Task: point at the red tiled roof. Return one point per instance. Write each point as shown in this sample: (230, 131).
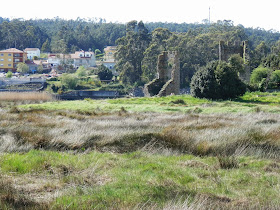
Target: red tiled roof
(77, 55)
(12, 50)
(31, 49)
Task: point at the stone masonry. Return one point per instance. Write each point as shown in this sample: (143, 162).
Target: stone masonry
(168, 81)
(227, 50)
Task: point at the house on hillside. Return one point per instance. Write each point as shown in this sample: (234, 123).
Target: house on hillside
(109, 52)
(110, 64)
(46, 66)
(40, 66)
(32, 52)
(109, 59)
(54, 60)
(83, 58)
(9, 59)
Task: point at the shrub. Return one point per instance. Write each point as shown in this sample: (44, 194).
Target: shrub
(204, 83)
(258, 75)
(104, 73)
(275, 79)
(81, 71)
(264, 78)
(229, 84)
(9, 74)
(218, 80)
(69, 80)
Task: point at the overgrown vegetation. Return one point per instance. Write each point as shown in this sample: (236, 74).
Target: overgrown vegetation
(218, 80)
(104, 154)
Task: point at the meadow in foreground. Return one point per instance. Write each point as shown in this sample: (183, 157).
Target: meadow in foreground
(121, 159)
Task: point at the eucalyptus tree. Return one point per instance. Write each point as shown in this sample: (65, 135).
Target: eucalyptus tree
(130, 52)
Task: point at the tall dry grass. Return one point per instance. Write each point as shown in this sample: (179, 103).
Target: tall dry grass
(25, 96)
(254, 134)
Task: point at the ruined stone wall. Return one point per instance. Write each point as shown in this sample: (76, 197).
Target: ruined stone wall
(227, 50)
(168, 81)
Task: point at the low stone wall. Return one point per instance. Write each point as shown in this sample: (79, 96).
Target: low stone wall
(79, 95)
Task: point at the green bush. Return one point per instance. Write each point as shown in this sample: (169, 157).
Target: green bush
(9, 74)
(204, 83)
(104, 73)
(275, 79)
(218, 80)
(69, 80)
(258, 75)
(264, 78)
(229, 84)
(81, 71)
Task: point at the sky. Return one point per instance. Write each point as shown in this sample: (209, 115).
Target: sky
(249, 13)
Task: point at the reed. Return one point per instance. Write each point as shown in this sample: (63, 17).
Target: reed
(25, 96)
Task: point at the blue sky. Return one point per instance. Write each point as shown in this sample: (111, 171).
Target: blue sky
(263, 14)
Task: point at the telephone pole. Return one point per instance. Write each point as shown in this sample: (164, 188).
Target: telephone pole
(209, 17)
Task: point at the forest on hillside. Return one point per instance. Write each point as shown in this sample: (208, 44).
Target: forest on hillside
(139, 44)
(60, 35)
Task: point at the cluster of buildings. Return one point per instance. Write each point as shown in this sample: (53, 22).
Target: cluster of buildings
(10, 58)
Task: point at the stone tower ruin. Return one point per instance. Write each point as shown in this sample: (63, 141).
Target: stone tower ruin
(226, 50)
(168, 81)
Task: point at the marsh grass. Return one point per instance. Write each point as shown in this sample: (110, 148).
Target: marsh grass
(123, 131)
(104, 155)
(249, 103)
(145, 181)
(25, 96)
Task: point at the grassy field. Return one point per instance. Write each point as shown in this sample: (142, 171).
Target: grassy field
(250, 102)
(174, 152)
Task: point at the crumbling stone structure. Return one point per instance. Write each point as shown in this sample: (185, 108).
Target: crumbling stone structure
(227, 50)
(168, 81)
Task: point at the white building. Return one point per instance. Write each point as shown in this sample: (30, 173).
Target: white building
(31, 52)
(83, 58)
(110, 64)
(54, 60)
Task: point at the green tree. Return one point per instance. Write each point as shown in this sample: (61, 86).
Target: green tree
(236, 63)
(258, 75)
(46, 47)
(275, 79)
(204, 83)
(104, 73)
(156, 46)
(264, 78)
(218, 80)
(272, 61)
(229, 83)
(81, 71)
(260, 52)
(69, 80)
(9, 74)
(98, 54)
(130, 52)
(22, 68)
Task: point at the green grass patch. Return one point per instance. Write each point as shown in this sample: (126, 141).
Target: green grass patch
(250, 102)
(127, 180)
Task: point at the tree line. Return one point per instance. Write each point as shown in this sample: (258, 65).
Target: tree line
(139, 44)
(138, 50)
(60, 35)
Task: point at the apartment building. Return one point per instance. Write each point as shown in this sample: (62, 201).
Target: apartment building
(10, 58)
(32, 52)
